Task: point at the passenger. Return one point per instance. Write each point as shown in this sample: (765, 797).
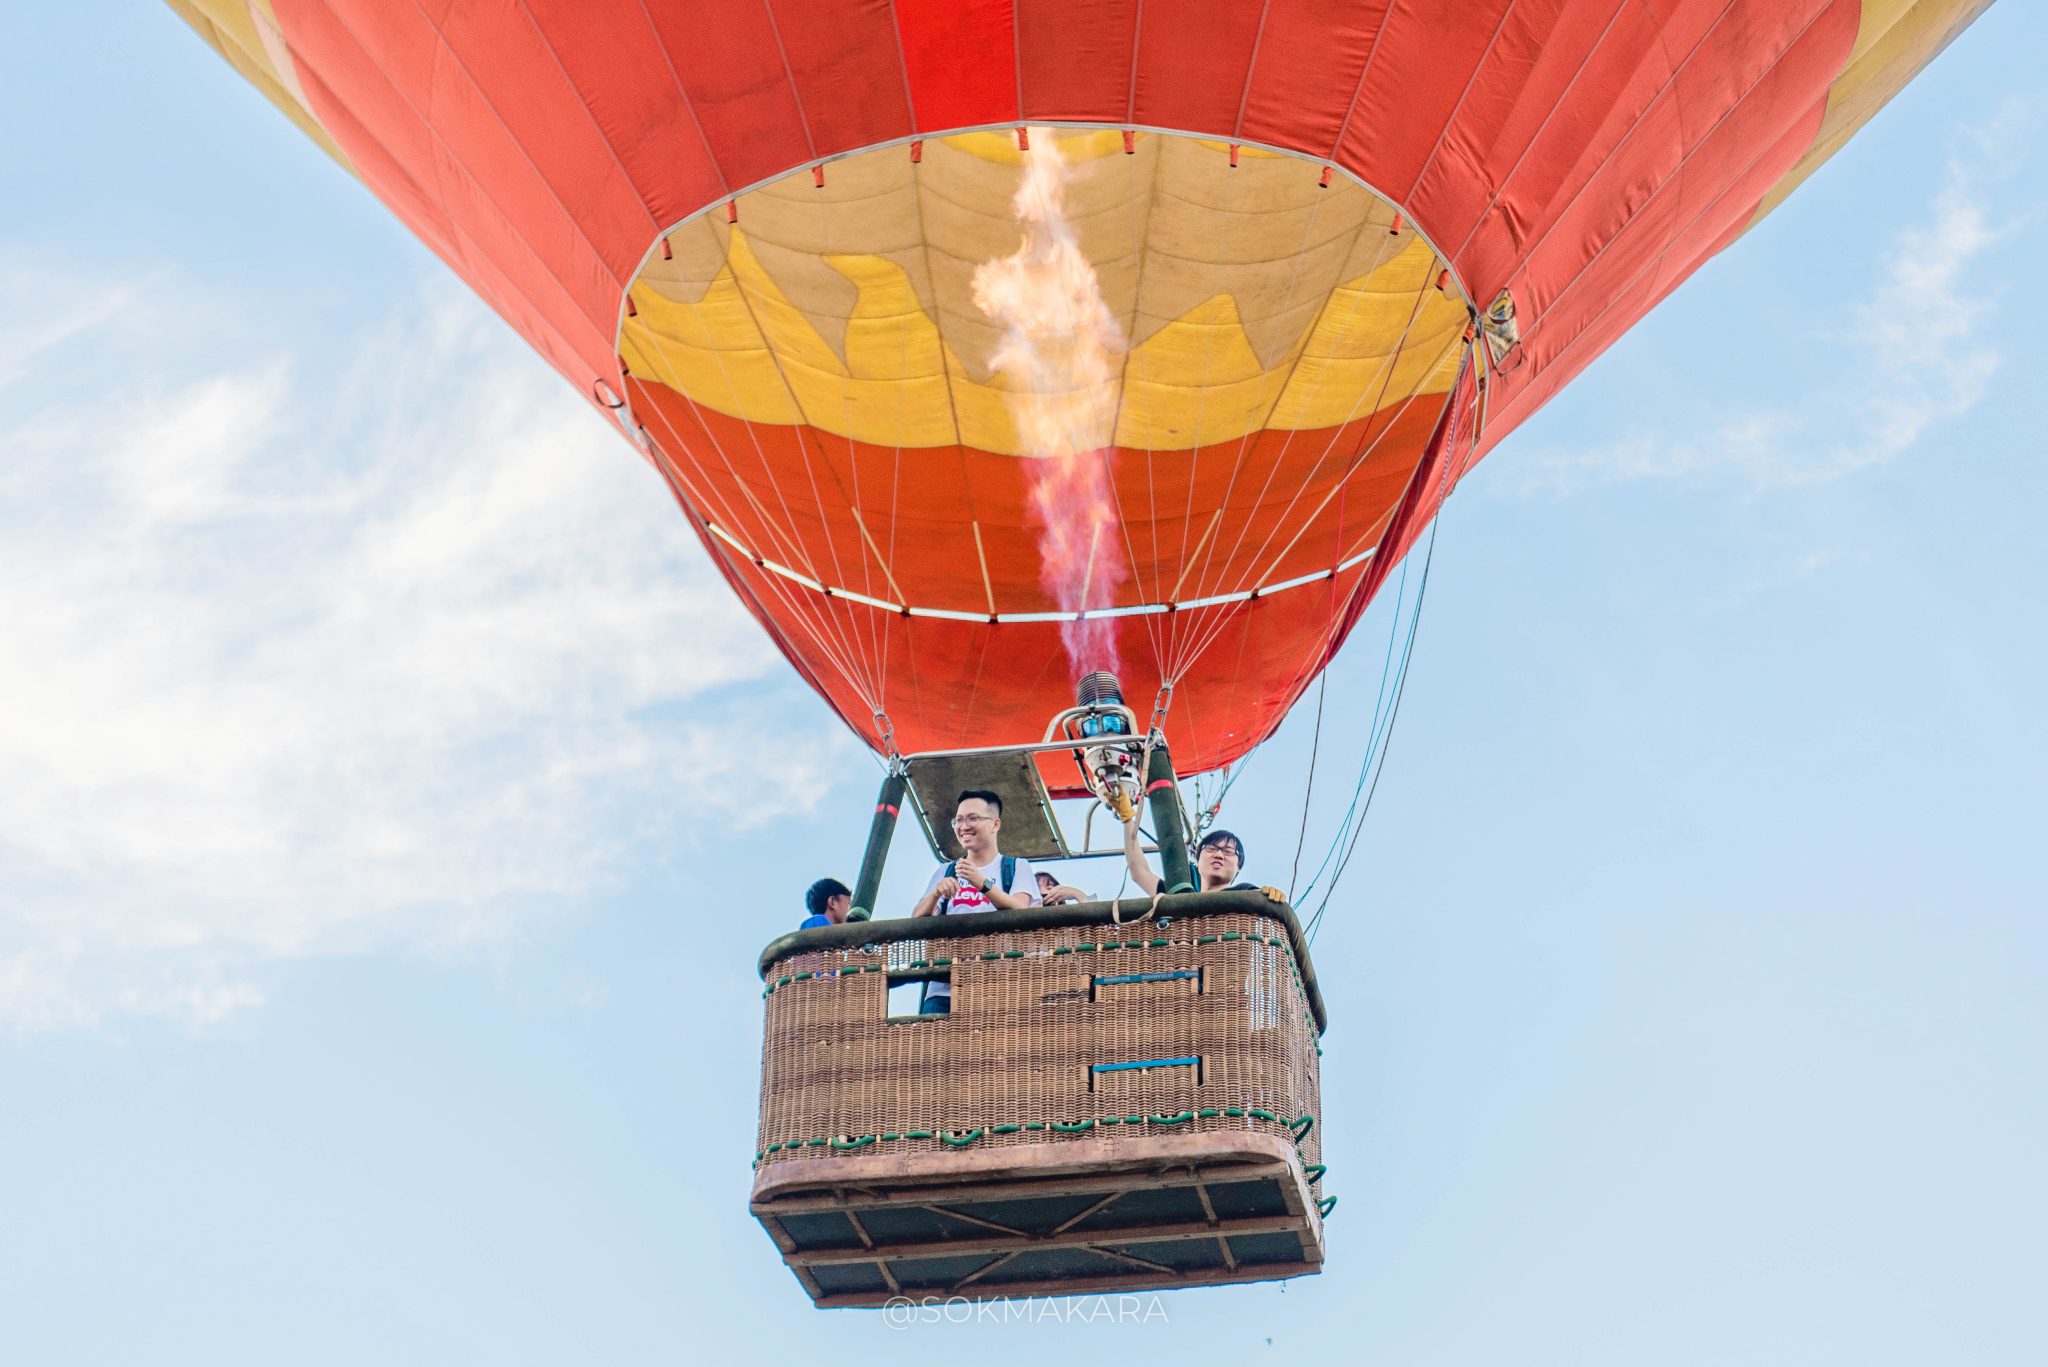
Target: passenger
(1052, 892)
(1218, 858)
(828, 900)
(986, 880)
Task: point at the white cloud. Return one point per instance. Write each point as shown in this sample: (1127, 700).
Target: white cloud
(1919, 353)
(314, 655)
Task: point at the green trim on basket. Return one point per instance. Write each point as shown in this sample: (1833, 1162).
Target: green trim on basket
(960, 1139)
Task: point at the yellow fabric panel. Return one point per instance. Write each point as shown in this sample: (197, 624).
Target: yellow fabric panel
(245, 33)
(1894, 40)
(1195, 383)
(709, 351)
(1250, 296)
(893, 379)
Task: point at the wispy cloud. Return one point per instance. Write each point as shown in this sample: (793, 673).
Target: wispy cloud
(318, 654)
(1920, 352)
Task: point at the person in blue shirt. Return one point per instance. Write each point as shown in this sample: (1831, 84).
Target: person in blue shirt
(827, 900)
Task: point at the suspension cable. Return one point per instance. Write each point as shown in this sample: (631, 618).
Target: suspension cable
(1385, 738)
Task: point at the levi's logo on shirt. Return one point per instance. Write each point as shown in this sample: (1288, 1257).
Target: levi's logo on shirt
(973, 898)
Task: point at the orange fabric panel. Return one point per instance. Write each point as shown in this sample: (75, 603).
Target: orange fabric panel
(902, 525)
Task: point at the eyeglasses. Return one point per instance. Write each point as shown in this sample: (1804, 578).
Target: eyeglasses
(1221, 848)
(968, 820)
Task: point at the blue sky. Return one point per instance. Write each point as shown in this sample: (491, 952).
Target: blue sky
(393, 806)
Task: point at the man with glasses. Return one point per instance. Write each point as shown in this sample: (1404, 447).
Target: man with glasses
(1218, 859)
(985, 880)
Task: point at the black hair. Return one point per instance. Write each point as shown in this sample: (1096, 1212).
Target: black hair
(1218, 836)
(823, 891)
(994, 800)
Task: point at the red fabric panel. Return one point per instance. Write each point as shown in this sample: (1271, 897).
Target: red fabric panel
(1193, 60)
(538, 138)
(622, 74)
(725, 53)
(1735, 57)
(961, 56)
(1578, 108)
(848, 70)
(1419, 74)
(1077, 68)
(1311, 57)
(1552, 58)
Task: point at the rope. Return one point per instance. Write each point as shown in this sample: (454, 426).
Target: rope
(1372, 729)
(1116, 909)
(1400, 689)
(1315, 747)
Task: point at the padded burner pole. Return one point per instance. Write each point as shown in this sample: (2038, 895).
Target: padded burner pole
(1162, 790)
(880, 832)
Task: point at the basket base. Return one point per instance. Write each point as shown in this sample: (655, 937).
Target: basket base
(1079, 1217)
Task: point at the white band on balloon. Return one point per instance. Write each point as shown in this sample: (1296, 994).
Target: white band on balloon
(952, 615)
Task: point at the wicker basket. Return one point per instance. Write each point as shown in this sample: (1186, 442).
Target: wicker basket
(1107, 1107)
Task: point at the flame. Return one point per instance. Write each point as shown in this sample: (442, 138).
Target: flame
(1061, 352)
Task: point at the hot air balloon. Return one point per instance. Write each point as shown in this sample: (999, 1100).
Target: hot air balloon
(988, 346)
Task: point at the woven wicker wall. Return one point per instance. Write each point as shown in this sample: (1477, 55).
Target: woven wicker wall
(838, 1075)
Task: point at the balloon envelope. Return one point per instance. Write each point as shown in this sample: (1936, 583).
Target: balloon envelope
(751, 228)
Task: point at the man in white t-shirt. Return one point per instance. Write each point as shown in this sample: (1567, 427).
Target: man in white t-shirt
(977, 882)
